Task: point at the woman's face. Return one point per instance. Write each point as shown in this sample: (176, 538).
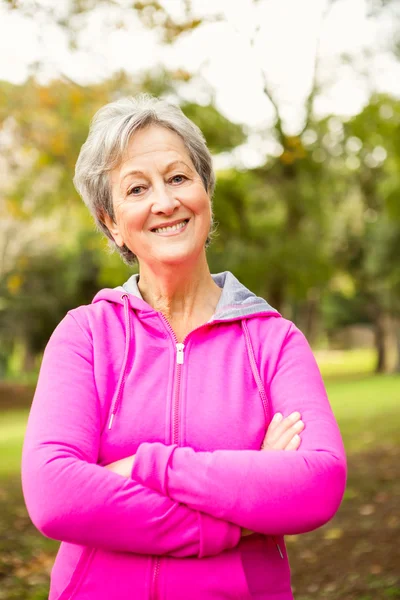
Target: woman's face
(156, 184)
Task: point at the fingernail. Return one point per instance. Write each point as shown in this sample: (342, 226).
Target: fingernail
(277, 417)
(294, 416)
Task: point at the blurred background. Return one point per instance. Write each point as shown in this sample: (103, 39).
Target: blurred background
(300, 106)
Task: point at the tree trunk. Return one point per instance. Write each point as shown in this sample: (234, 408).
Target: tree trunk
(29, 360)
(310, 314)
(386, 343)
(276, 294)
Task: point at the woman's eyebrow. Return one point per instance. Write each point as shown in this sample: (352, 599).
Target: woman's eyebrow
(131, 172)
(176, 163)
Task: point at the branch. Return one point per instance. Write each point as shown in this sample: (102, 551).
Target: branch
(314, 86)
(70, 81)
(266, 88)
(317, 57)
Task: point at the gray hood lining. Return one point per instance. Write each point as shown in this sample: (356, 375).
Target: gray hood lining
(235, 301)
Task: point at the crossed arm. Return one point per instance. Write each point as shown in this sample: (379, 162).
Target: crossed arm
(124, 507)
(282, 434)
(273, 493)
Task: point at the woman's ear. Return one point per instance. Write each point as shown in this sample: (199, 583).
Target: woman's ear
(113, 229)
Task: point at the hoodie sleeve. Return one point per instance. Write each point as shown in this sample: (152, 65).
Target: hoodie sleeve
(270, 492)
(71, 498)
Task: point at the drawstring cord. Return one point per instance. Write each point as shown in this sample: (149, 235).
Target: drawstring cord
(261, 390)
(256, 374)
(122, 377)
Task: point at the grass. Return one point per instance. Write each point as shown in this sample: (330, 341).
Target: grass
(366, 406)
(336, 364)
(12, 430)
(367, 410)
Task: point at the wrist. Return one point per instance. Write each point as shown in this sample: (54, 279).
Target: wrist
(122, 467)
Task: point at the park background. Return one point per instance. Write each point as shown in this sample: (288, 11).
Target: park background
(300, 106)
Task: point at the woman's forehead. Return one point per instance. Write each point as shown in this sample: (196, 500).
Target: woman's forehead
(154, 146)
(154, 139)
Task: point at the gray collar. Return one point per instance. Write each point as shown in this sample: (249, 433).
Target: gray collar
(235, 301)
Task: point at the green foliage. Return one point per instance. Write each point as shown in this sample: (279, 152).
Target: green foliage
(375, 243)
(41, 288)
(221, 134)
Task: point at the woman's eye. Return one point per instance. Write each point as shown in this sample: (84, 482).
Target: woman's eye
(180, 178)
(134, 191)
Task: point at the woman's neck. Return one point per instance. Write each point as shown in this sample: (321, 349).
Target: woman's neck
(180, 292)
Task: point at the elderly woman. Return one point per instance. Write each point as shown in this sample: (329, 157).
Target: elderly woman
(163, 445)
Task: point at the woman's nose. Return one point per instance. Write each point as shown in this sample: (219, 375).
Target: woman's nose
(164, 199)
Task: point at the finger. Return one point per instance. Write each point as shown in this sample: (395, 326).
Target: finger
(286, 436)
(274, 434)
(277, 418)
(276, 421)
(294, 443)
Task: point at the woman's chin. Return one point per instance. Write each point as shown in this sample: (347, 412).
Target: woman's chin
(165, 255)
(176, 257)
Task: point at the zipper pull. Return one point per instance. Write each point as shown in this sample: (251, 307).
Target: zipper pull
(279, 550)
(278, 546)
(179, 355)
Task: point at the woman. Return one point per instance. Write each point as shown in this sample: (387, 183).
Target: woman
(150, 450)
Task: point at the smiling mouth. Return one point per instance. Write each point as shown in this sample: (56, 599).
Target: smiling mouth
(171, 230)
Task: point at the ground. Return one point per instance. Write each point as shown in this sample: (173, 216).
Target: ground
(356, 555)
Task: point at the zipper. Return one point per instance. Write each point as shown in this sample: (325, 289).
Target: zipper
(179, 361)
(175, 428)
(156, 572)
(175, 422)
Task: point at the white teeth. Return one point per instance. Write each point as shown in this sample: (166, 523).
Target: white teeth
(171, 228)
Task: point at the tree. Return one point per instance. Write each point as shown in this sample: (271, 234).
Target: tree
(370, 220)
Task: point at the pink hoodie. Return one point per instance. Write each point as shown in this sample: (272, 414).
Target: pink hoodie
(115, 382)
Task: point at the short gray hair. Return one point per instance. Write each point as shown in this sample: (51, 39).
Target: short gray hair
(109, 135)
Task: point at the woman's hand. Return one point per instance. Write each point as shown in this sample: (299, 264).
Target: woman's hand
(282, 434)
(122, 467)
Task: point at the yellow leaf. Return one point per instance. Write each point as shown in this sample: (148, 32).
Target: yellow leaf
(293, 141)
(287, 157)
(14, 283)
(334, 533)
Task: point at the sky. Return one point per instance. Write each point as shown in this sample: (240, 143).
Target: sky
(284, 49)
